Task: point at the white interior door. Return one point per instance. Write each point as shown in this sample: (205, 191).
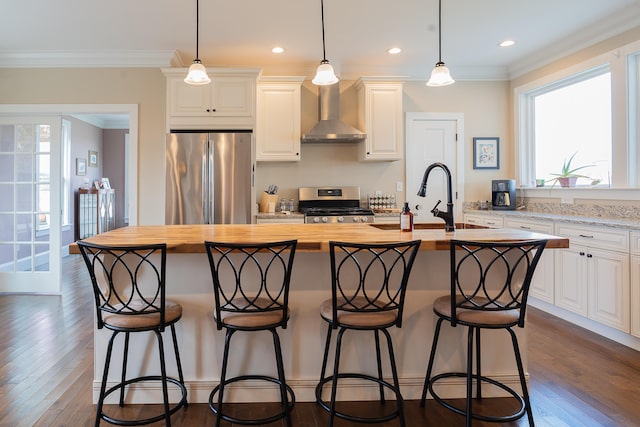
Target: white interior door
(30, 204)
(430, 138)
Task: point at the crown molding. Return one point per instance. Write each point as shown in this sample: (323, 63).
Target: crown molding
(90, 59)
(604, 29)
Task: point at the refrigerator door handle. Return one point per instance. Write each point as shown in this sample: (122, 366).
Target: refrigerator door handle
(206, 190)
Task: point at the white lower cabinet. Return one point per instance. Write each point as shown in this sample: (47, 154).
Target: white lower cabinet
(542, 285)
(484, 220)
(593, 275)
(635, 283)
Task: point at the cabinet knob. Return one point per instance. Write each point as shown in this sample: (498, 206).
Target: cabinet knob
(211, 110)
(582, 254)
(589, 256)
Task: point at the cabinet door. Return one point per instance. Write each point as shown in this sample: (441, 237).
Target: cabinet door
(609, 288)
(381, 118)
(635, 295)
(542, 284)
(571, 288)
(278, 122)
(232, 96)
(188, 100)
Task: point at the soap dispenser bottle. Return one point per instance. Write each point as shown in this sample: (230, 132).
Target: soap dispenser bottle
(406, 218)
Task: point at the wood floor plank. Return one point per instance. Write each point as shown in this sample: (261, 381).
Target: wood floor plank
(46, 369)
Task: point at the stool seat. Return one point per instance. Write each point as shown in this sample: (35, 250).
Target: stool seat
(358, 319)
(496, 318)
(173, 313)
(243, 317)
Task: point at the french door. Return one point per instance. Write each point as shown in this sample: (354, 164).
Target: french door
(30, 204)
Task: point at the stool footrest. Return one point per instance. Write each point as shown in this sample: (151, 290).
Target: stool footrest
(494, 419)
(354, 418)
(182, 403)
(280, 415)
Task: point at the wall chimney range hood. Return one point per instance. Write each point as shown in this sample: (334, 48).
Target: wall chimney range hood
(330, 128)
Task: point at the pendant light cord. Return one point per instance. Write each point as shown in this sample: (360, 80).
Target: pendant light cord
(439, 31)
(197, 26)
(324, 54)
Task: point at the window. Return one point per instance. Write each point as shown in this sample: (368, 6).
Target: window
(570, 119)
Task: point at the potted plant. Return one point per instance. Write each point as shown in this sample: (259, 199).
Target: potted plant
(568, 176)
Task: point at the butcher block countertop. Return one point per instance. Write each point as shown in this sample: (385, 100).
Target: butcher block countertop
(311, 237)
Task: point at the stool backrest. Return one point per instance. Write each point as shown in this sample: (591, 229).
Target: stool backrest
(251, 277)
(127, 280)
(371, 277)
(492, 276)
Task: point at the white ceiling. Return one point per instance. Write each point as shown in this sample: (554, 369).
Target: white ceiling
(241, 33)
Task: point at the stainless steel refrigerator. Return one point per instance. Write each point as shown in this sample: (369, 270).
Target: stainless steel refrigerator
(209, 178)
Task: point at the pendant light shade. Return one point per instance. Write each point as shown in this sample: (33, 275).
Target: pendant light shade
(325, 75)
(197, 73)
(440, 76)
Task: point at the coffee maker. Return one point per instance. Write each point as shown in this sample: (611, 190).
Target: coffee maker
(503, 194)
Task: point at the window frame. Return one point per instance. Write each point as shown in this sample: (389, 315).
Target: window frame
(624, 65)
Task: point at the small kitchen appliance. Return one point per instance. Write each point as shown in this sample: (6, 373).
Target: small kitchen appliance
(339, 205)
(503, 194)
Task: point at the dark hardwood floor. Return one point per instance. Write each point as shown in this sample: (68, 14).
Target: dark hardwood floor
(46, 369)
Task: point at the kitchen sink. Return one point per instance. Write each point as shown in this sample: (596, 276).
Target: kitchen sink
(429, 226)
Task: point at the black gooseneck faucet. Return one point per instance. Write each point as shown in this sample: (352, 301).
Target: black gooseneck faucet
(448, 215)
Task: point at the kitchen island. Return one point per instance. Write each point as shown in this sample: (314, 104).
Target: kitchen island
(189, 283)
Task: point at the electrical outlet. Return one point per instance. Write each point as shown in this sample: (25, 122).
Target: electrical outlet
(399, 186)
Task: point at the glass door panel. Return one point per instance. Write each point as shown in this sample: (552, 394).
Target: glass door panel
(30, 194)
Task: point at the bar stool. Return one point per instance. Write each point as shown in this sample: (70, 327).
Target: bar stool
(251, 290)
(489, 289)
(369, 282)
(129, 293)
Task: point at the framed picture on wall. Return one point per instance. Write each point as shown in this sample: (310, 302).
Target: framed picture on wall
(81, 167)
(486, 153)
(93, 159)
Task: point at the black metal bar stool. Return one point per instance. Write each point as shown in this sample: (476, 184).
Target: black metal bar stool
(369, 282)
(489, 288)
(129, 291)
(251, 290)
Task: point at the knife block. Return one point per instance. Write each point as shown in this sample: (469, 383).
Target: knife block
(267, 203)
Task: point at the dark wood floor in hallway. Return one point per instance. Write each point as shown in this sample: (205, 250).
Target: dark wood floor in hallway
(46, 369)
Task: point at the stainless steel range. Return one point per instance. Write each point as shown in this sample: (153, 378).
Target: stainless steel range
(332, 205)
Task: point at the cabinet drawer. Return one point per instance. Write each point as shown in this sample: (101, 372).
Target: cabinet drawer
(600, 237)
(530, 225)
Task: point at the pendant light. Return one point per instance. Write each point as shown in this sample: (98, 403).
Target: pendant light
(197, 73)
(324, 74)
(440, 75)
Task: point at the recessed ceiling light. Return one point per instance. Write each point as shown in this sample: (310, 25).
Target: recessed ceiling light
(507, 43)
(277, 49)
(394, 50)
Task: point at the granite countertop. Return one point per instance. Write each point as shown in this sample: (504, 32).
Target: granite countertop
(632, 223)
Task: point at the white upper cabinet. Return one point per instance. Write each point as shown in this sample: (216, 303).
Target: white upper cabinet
(380, 117)
(228, 102)
(278, 119)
